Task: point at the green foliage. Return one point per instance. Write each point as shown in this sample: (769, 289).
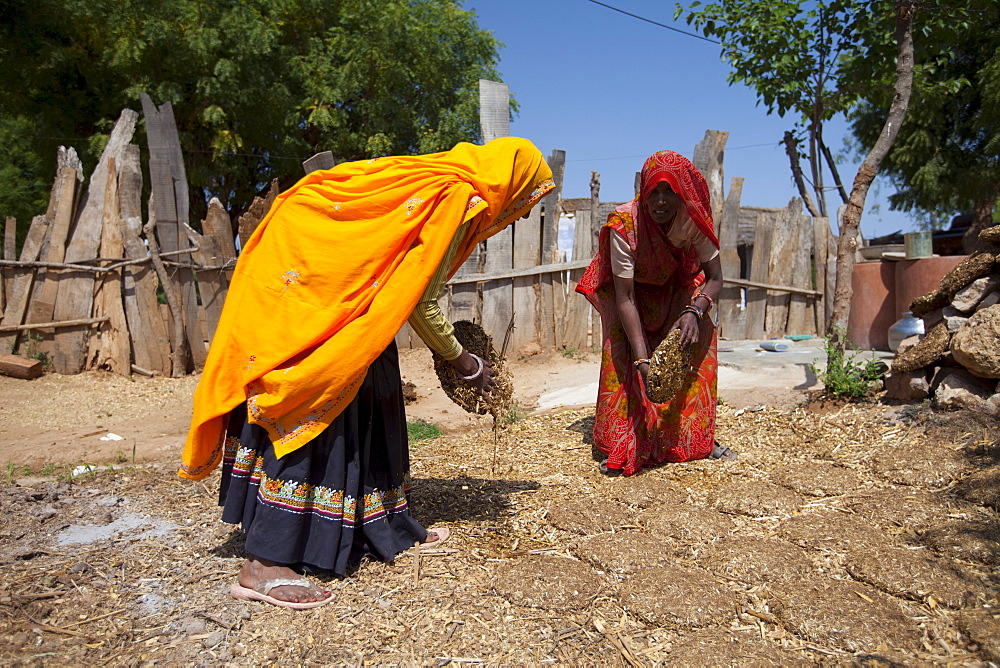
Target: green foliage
(514, 413)
(256, 85)
(845, 376)
(421, 430)
(569, 352)
(31, 349)
(947, 154)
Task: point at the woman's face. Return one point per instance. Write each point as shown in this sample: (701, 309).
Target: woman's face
(663, 203)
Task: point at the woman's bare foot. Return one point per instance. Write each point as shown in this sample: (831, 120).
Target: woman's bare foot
(256, 570)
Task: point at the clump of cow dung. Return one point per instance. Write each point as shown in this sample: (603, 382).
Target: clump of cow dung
(668, 368)
(475, 340)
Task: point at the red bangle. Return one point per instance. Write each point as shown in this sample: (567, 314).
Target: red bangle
(711, 302)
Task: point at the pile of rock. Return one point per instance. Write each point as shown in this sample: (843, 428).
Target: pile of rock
(957, 361)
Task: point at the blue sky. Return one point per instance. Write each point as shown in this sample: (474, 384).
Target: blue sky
(610, 89)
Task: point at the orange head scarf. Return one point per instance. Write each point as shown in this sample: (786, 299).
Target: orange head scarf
(331, 274)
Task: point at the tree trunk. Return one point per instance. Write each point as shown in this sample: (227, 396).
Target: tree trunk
(869, 168)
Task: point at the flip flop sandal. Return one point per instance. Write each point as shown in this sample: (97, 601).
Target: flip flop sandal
(609, 471)
(442, 534)
(261, 591)
(723, 453)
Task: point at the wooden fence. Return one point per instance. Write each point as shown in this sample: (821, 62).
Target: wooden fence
(87, 287)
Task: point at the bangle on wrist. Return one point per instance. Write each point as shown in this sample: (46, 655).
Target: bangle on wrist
(694, 310)
(711, 302)
(479, 370)
(640, 361)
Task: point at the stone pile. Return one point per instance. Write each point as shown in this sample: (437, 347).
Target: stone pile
(957, 361)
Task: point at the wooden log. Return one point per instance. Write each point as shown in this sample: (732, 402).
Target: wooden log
(781, 264)
(552, 295)
(732, 314)
(62, 206)
(527, 253)
(708, 158)
(109, 345)
(498, 295)
(17, 305)
(16, 366)
(74, 298)
(801, 308)
(759, 262)
(52, 325)
(322, 160)
(3, 271)
(170, 203)
(465, 298)
(249, 221)
(212, 284)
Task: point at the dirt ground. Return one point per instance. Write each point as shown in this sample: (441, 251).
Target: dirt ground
(843, 535)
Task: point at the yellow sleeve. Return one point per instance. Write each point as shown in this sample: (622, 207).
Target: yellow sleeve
(427, 320)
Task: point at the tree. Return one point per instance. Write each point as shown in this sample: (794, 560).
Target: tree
(946, 158)
(256, 85)
(791, 53)
(783, 52)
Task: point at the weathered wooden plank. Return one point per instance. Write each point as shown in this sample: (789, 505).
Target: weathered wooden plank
(801, 309)
(62, 206)
(732, 315)
(170, 199)
(708, 158)
(149, 338)
(552, 294)
(7, 244)
(821, 245)
(578, 309)
(498, 295)
(465, 299)
(781, 263)
(494, 109)
(16, 366)
(527, 253)
(322, 160)
(17, 305)
(212, 283)
(109, 346)
(759, 262)
(249, 221)
(76, 289)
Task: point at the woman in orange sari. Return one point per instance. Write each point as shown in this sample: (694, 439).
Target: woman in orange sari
(301, 397)
(657, 269)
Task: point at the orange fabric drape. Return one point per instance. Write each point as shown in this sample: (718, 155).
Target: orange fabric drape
(331, 274)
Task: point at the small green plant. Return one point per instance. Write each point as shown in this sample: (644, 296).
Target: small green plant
(514, 413)
(846, 377)
(32, 350)
(10, 473)
(570, 352)
(421, 430)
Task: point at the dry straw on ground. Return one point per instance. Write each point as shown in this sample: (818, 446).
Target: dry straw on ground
(668, 368)
(476, 341)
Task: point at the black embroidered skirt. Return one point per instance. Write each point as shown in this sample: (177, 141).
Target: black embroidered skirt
(341, 496)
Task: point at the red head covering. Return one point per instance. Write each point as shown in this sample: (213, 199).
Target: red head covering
(685, 180)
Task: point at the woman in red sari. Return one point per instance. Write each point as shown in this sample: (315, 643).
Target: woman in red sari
(657, 269)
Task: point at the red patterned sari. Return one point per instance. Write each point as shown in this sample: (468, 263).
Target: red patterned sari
(631, 431)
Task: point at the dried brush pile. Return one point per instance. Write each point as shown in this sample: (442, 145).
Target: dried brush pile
(668, 367)
(475, 340)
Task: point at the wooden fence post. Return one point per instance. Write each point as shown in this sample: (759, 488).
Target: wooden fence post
(781, 263)
(21, 283)
(74, 298)
(732, 315)
(552, 285)
(708, 158)
(759, 263)
(109, 346)
(170, 203)
(9, 253)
